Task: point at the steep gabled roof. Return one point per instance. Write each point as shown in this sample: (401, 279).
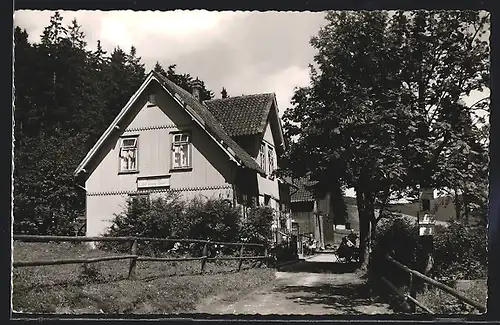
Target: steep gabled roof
(242, 115)
(198, 112)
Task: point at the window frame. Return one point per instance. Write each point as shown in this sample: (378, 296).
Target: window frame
(263, 156)
(271, 160)
(174, 144)
(122, 147)
(140, 195)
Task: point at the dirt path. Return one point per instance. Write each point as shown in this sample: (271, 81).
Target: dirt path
(314, 287)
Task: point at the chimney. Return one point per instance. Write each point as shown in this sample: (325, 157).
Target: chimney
(196, 85)
(224, 93)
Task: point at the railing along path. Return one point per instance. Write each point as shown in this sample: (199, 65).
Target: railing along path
(460, 296)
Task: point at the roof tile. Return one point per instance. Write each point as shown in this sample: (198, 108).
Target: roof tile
(211, 122)
(242, 115)
(304, 193)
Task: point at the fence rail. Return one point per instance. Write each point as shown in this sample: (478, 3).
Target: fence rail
(45, 239)
(460, 296)
(133, 256)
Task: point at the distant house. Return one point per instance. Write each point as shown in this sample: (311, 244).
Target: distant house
(443, 209)
(312, 212)
(166, 140)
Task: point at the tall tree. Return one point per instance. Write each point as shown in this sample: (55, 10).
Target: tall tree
(58, 107)
(444, 56)
(65, 97)
(122, 77)
(183, 80)
(381, 91)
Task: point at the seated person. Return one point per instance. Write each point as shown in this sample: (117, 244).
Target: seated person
(347, 249)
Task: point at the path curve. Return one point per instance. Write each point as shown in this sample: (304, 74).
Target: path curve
(315, 286)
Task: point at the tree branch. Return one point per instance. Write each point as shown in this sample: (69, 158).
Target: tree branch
(476, 31)
(482, 99)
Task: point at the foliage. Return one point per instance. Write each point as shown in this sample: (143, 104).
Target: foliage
(386, 91)
(213, 219)
(65, 97)
(443, 303)
(257, 226)
(170, 216)
(398, 237)
(46, 200)
(460, 252)
(143, 217)
(89, 273)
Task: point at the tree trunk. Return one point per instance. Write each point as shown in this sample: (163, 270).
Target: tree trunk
(458, 206)
(370, 215)
(364, 228)
(466, 205)
(337, 204)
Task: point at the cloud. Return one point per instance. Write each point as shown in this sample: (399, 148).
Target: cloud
(245, 52)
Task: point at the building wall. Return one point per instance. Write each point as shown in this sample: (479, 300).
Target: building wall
(212, 172)
(268, 186)
(320, 224)
(302, 213)
(327, 225)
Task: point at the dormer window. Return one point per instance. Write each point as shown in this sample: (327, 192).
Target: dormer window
(128, 154)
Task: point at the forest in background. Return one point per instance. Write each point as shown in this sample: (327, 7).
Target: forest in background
(65, 97)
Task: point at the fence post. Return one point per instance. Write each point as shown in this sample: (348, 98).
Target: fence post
(266, 256)
(204, 258)
(413, 294)
(241, 255)
(133, 261)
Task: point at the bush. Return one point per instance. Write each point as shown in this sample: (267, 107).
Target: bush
(146, 218)
(169, 216)
(398, 237)
(213, 219)
(257, 227)
(460, 252)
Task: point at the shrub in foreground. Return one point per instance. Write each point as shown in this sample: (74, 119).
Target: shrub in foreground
(170, 216)
(213, 219)
(256, 228)
(460, 252)
(143, 217)
(398, 237)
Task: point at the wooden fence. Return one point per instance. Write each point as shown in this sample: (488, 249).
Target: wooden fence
(460, 296)
(133, 257)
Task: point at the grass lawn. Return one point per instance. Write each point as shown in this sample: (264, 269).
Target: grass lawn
(441, 302)
(159, 287)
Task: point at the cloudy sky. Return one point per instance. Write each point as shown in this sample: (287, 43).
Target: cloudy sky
(245, 52)
(241, 51)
